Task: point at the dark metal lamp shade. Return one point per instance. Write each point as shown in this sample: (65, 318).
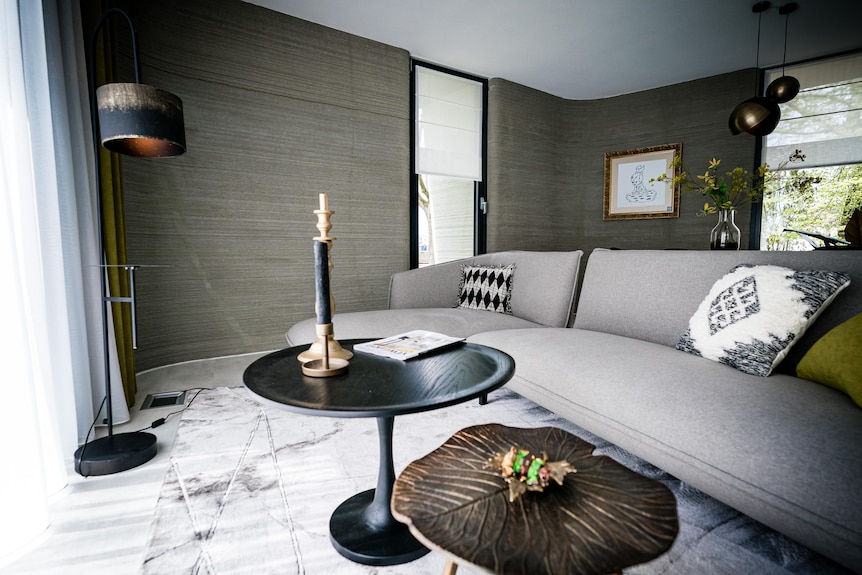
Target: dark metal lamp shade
(757, 116)
(783, 89)
(140, 120)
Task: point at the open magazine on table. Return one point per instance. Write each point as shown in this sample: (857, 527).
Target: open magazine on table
(406, 345)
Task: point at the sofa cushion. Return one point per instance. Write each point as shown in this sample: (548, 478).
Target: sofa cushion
(487, 288)
(458, 322)
(835, 359)
(752, 315)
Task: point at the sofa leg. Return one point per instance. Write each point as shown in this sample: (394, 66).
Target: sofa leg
(483, 400)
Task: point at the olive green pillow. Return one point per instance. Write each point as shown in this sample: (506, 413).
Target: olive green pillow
(835, 359)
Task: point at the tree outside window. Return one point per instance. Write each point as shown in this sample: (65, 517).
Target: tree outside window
(818, 200)
(824, 122)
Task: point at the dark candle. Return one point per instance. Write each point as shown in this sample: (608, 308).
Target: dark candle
(321, 283)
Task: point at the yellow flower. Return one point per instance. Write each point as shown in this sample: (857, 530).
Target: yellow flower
(705, 177)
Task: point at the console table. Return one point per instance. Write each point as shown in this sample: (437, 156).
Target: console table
(363, 528)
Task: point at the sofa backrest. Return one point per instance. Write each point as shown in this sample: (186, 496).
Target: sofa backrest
(543, 285)
(651, 294)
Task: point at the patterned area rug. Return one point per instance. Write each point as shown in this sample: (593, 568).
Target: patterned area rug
(250, 490)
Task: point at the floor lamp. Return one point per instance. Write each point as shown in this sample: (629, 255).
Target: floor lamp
(135, 120)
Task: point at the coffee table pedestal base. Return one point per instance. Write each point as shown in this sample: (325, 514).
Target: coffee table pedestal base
(354, 538)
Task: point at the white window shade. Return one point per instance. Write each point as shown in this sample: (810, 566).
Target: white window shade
(825, 119)
(448, 125)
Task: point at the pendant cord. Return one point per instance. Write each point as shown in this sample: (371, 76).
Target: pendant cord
(784, 56)
(757, 58)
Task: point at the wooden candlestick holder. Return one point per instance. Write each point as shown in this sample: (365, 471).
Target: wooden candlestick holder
(326, 345)
(325, 366)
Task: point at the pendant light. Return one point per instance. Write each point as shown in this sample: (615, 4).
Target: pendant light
(785, 88)
(758, 115)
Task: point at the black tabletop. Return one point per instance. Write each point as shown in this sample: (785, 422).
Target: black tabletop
(375, 386)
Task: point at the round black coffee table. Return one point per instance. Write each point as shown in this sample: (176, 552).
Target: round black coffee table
(362, 528)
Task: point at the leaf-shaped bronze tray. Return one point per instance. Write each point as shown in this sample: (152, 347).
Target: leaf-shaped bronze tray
(601, 519)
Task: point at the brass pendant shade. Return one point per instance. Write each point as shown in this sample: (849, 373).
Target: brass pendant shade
(783, 89)
(140, 120)
(757, 116)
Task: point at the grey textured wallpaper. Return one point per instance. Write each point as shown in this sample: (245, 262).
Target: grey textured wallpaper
(279, 110)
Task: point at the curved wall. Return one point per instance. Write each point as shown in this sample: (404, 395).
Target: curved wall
(546, 162)
(279, 110)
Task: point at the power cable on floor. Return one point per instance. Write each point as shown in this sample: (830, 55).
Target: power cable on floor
(162, 420)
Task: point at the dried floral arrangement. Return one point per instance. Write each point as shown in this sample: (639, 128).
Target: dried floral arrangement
(524, 471)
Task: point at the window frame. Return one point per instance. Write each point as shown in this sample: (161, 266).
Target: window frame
(480, 195)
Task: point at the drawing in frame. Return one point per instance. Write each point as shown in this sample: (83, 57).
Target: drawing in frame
(630, 195)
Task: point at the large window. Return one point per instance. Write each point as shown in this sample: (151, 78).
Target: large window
(448, 192)
(825, 122)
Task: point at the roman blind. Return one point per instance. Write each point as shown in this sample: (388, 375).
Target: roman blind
(825, 119)
(448, 125)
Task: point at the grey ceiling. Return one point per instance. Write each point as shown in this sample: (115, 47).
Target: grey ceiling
(586, 49)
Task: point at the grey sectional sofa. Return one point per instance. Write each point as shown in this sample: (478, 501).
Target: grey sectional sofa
(784, 450)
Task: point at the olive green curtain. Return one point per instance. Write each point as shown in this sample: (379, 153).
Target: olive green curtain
(111, 176)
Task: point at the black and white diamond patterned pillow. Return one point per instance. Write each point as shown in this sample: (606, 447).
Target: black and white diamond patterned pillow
(752, 315)
(487, 288)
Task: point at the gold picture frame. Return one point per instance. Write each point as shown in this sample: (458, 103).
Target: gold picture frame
(630, 195)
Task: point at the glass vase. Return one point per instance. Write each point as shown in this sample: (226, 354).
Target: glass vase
(725, 234)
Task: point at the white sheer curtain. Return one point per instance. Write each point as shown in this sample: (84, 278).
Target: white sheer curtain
(49, 284)
(64, 158)
(32, 438)
(72, 155)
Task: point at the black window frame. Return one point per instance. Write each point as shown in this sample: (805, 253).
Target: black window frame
(480, 188)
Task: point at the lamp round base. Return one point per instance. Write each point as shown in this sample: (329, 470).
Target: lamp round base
(116, 453)
(354, 538)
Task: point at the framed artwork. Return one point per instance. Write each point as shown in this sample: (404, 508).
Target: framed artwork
(630, 195)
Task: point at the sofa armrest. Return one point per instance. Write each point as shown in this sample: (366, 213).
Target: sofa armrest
(428, 287)
(543, 287)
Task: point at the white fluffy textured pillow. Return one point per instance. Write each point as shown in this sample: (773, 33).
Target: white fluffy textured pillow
(752, 315)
